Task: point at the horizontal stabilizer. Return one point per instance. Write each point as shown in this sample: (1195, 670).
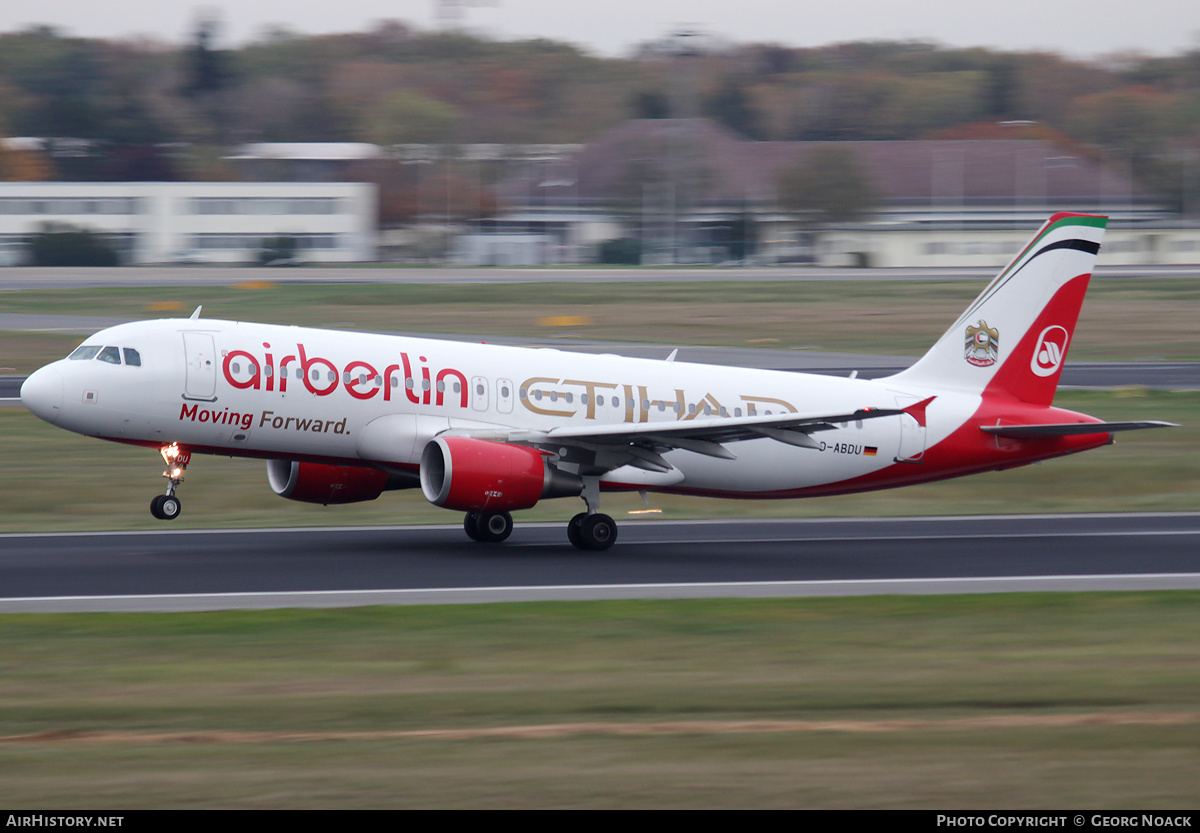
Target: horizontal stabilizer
(917, 410)
(1071, 429)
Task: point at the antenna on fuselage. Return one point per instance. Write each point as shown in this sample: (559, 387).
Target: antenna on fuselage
(674, 352)
(196, 314)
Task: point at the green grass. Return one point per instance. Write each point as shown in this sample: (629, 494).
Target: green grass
(1022, 701)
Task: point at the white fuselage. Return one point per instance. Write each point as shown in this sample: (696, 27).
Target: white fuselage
(290, 392)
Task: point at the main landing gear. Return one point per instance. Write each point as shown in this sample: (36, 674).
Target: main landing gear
(590, 530)
(167, 507)
(488, 527)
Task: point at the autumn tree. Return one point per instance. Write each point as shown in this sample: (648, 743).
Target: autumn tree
(828, 187)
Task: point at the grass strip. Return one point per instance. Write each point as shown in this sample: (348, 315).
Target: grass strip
(1022, 700)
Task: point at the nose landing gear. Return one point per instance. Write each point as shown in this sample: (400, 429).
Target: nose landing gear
(167, 507)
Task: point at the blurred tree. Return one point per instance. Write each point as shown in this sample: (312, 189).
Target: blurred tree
(62, 245)
(743, 236)
(732, 105)
(24, 166)
(827, 187)
(621, 251)
(1000, 96)
(650, 104)
(126, 100)
(205, 71)
(407, 116)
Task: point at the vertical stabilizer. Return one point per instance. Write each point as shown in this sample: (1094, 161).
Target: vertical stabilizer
(1013, 339)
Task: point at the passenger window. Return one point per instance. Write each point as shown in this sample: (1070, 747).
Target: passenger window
(87, 351)
(132, 357)
(112, 355)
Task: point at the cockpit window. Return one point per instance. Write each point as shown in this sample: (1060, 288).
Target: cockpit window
(132, 357)
(112, 355)
(87, 351)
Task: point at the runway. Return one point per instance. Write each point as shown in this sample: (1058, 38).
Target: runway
(342, 567)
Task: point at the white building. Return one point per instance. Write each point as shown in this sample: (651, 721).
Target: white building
(216, 222)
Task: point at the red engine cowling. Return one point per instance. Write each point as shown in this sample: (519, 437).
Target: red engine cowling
(483, 476)
(320, 483)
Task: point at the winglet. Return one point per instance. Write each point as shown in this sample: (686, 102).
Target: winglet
(917, 410)
(196, 313)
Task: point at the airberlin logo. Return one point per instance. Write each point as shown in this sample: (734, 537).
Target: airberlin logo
(361, 379)
(1049, 351)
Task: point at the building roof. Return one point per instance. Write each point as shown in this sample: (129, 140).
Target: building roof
(323, 151)
(725, 167)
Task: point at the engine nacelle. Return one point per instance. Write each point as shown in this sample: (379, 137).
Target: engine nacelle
(320, 483)
(484, 476)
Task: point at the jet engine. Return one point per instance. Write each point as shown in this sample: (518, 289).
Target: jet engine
(325, 484)
(484, 476)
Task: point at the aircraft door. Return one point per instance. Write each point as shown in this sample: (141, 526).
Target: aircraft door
(479, 393)
(201, 357)
(912, 435)
(504, 396)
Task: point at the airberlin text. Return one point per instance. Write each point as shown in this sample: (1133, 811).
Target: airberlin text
(267, 419)
(362, 380)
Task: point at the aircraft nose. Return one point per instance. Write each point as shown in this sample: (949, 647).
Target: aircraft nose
(42, 393)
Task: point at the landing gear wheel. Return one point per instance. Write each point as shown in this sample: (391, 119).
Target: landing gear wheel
(165, 507)
(471, 526)
(493, 527)
(573, 533)
(596, 532)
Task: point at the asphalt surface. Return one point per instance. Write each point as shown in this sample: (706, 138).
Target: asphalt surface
(189, 570)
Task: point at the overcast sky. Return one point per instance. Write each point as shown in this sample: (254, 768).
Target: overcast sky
(1080, 28)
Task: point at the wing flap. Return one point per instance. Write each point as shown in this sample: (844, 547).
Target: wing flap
(714, 429)
(704, 435)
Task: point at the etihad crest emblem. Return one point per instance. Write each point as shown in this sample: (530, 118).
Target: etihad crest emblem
(982, 345)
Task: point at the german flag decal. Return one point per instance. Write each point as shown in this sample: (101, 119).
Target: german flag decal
(870, 450)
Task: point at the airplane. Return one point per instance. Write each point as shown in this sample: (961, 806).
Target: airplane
(488, 430)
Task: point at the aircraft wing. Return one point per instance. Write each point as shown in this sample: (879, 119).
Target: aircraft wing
(641, 444)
